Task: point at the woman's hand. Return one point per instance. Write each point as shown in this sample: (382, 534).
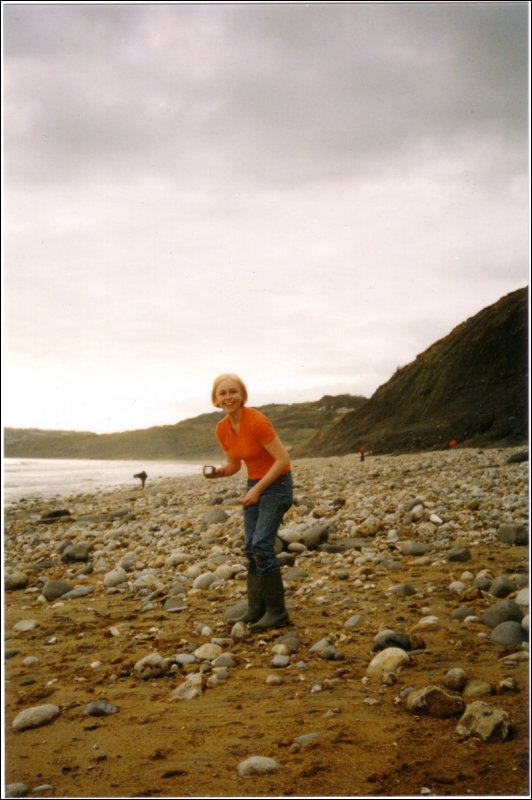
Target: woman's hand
(251, 497)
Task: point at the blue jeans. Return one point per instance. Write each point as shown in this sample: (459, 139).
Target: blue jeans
(262, 521)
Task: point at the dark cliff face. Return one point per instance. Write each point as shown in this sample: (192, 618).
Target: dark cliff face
(471, 386)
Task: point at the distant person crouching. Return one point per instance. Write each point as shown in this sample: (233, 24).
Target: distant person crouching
(142, 476)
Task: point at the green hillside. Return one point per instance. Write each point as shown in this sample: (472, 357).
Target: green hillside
(190, 440)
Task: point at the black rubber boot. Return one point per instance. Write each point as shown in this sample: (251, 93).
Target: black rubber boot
(273, 593)
(256, 604)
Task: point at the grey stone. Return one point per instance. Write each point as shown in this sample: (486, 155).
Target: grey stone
(391, 639)
(462, 613)
(455, 679)
(502, 586)
(35, 717)
(52, 590)
(458, 554)
(315, 535)
(502, 612)
(508, 633)
(257, 765)
(513, 534)
(76, 552)
(353, 621)
(404, 590)
(410, 548)
(215, 516)
(14, 579)
(16, 790)
(100, 708)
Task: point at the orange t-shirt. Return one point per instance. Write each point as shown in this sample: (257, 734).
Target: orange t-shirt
(247, 445)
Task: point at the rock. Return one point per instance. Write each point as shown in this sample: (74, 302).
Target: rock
(315, 535)
(257, 765)
(322, 644)
(306, 738)
(353, 621)
(174, 604)
(193, 687)
(296, 547)
(458, 554)
(404, 590)
(14, 579)
(485, 722)
(390, 660)
(225, 660)
(482, 582)
(76, 552)
(25, 625)
(513, 534)
(107, 516)
(391, 639)
(509, 633)
(128, 562)
(476, 688)
(462, 613)
(151, 666)
(115, 577)
(100, 708)
(273, 680)
(78, 591)
(502, 612)
(16, 790)
(455, 679)
(410, 548)
(208, 652)
(204, 581)
(457, 587)
(235, 612)
(502, 586)
(35, 717)
(294, 573)
(286, 559)
(54, 515)
(522, 597)
(52, 590)
(518, 458)
(289, 641)
(435, 701)
(215, 516)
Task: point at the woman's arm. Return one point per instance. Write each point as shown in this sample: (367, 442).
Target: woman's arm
(280, 465)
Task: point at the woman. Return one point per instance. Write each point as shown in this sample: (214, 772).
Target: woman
(246, 434)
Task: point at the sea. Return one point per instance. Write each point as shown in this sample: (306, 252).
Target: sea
(57, 477)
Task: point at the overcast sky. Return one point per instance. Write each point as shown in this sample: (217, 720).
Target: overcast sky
(307, 194)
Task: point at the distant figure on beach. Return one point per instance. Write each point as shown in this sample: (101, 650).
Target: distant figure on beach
(246, 435)
(362, 451)
(142, 476)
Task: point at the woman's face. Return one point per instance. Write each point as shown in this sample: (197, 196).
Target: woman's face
(229, 396)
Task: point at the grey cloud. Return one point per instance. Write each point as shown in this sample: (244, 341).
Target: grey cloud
(271, 93)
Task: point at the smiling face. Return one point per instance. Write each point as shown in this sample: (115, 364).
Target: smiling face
(229, 396)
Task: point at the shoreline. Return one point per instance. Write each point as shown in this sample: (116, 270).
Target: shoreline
(317, 461)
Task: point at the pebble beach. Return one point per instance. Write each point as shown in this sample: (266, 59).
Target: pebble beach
(404, 670)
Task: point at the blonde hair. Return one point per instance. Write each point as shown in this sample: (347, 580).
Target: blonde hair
(229, 376)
